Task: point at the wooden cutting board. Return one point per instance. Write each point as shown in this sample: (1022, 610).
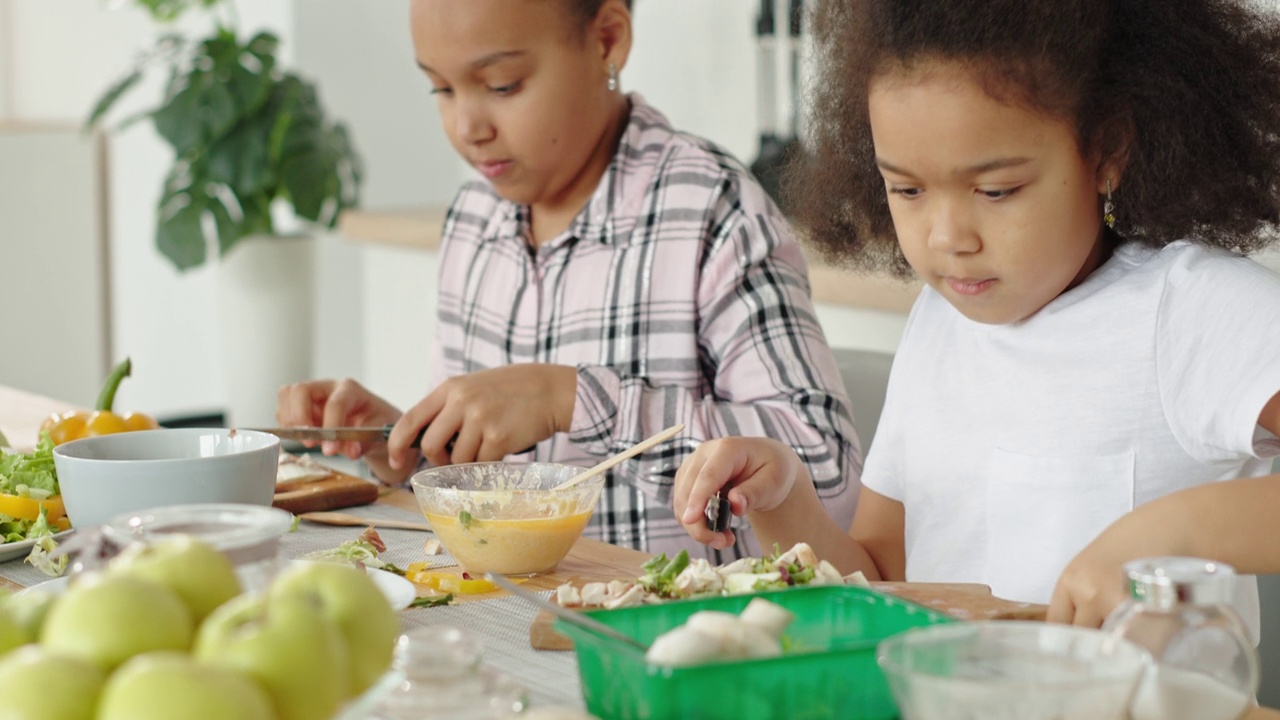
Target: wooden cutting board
(327, 493)
(963, 601)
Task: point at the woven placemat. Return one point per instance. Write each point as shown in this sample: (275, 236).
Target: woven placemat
(502, 625)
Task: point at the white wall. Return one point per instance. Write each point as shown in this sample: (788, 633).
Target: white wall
(62, 56)
(6, 64)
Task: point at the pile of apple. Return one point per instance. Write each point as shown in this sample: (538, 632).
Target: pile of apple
(164, 632)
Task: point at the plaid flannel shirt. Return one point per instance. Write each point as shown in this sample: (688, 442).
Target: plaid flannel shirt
(680, 295)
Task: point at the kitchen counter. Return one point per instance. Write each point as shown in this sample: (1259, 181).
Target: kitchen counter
(420, 228)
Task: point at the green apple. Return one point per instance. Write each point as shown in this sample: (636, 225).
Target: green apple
(12, 633)
(30, 609)
(37, 683)
(165, 685)
(288, 646)
(203, 577)
(353, 601)
(108, 618)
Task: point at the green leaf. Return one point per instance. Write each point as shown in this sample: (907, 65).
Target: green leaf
(176, 120)
(229, 229)
(110, 97)
(309, 180)
(239, 158)
(431, 601)
(180, 236)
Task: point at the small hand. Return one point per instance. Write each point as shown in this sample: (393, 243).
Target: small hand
(335, 403)
(1092, 585)
(489, 414)
(759, 472)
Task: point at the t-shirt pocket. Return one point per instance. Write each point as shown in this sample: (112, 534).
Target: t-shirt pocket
(1041, 511)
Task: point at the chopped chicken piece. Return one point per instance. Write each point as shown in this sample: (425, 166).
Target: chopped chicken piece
(593, 594)
(568, 596)
(826, 574)
(741, 565)
(857, 579)
(699, 577)
(432, 547)
(631, 598)
(299, 468)
(799, 553)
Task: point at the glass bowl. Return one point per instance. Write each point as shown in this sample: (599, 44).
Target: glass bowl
(248, 534)
(506, 518)
(1011, 669)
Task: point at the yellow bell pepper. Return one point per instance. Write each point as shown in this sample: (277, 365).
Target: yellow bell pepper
(24, 508)
(447, 582)
(64, 427)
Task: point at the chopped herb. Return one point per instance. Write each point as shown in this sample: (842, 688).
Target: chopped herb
(432, 601)
(293, 525)
(483, 541)
(394, 569)
(465, 519)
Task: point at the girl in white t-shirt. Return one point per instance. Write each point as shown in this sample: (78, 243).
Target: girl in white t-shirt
(1075, 184)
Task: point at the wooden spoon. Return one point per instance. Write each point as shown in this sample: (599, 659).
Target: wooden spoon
(339, 518)
(636, 449)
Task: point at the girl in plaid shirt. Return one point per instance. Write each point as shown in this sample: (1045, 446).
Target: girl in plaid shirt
(608, 278)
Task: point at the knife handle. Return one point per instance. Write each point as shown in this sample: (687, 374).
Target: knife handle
(417, 440)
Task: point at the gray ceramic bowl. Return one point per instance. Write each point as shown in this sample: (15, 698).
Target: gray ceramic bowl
(105, 476)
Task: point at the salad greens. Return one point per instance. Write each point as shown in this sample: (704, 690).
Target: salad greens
(660, 573)
(30, 476)
(360, 551)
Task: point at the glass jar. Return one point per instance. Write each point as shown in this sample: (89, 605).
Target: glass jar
(248, 534)
(441, 676)
(1180, 610)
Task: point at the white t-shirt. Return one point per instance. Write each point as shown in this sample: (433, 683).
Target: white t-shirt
(1013, 446)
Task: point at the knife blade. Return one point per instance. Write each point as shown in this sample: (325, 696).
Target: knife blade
(320, 434)
(358, 434)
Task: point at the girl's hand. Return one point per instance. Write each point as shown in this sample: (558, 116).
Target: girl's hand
(760, 471)
(1090, 588)
(1093, 583)
(337, 403)
(487, 415)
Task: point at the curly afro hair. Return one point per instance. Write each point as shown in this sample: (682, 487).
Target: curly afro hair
(1188, 91)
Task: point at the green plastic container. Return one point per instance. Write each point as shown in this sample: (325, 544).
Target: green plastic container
(828, 671)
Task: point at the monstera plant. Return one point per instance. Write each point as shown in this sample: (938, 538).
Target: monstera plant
(245, 133)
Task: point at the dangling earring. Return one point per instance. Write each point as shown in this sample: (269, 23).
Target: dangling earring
(612, 84)
(1109, 209)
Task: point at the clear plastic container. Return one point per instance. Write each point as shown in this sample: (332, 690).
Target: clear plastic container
(248, 534)
(1011, 670)
(1180, 610)
(441, 676)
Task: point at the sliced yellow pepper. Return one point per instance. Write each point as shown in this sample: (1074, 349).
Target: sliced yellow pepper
(447, 582)
(28, 509)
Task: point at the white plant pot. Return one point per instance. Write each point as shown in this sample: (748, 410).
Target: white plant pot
(264, 308)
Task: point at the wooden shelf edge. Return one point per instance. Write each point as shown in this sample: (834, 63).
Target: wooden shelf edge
(421, 227)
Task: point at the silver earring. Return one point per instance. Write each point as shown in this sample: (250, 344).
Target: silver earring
(1109, 209)
(612, 84)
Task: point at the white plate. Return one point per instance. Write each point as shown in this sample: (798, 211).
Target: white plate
(398, 591)
(20, 549)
